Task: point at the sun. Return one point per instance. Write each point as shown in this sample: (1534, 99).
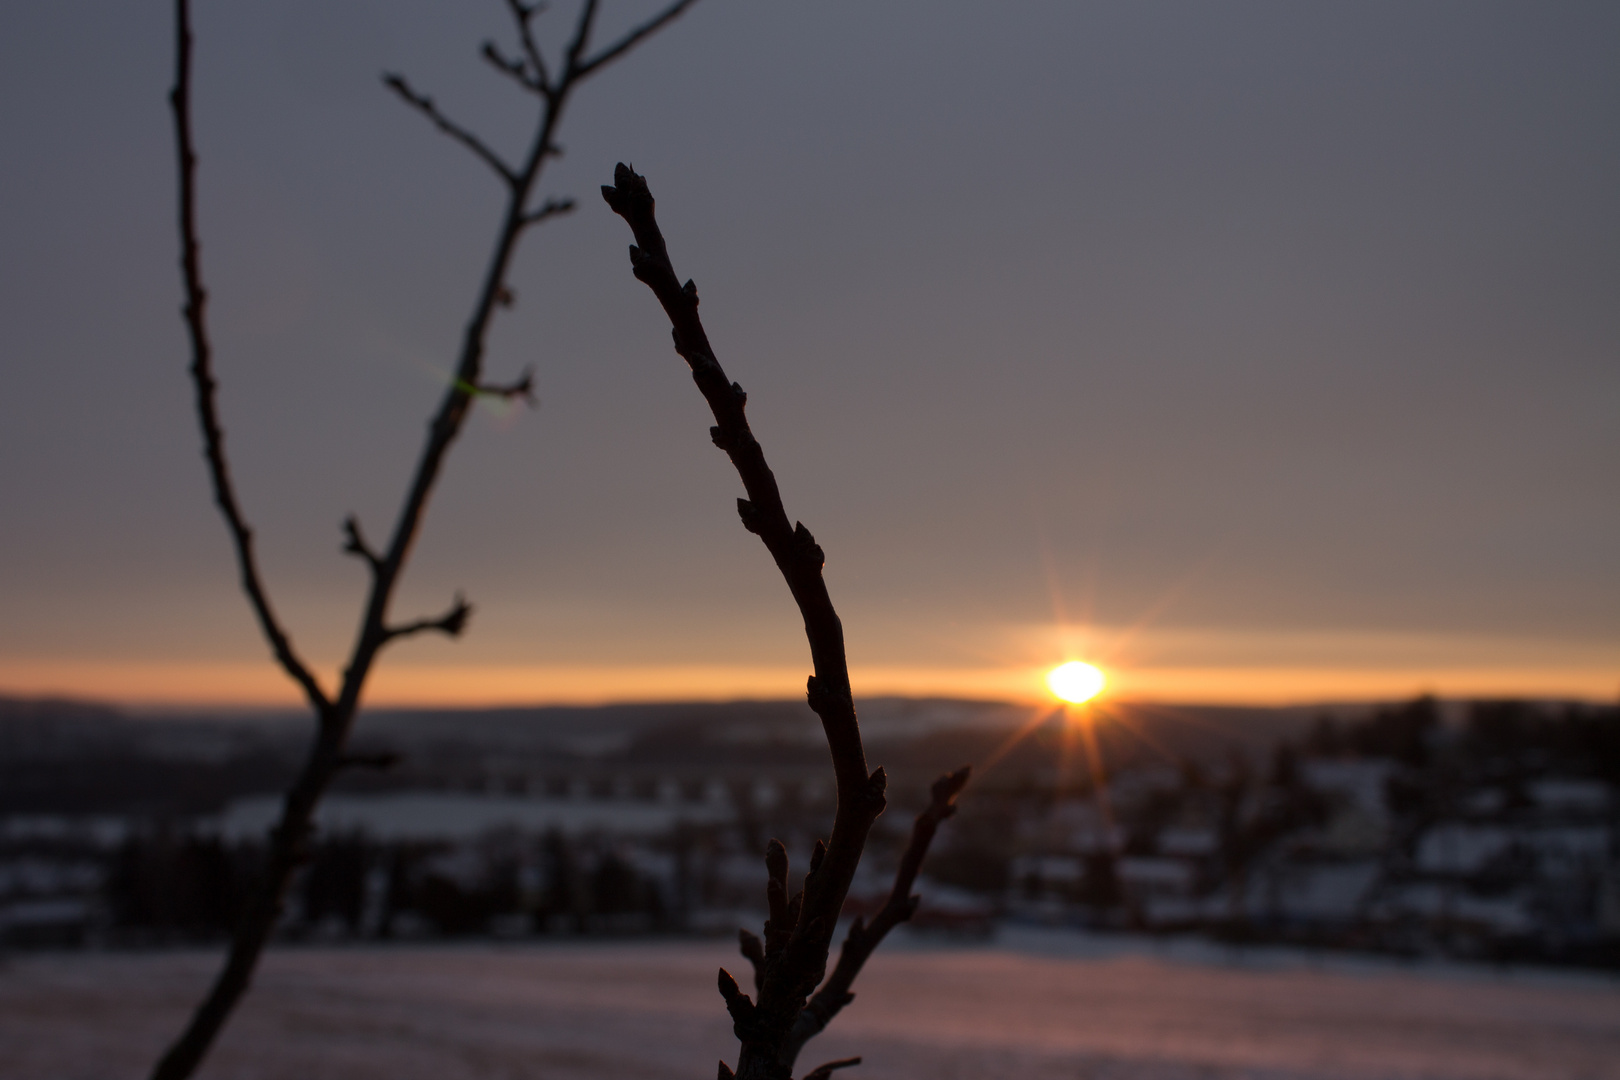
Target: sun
(1075, 681)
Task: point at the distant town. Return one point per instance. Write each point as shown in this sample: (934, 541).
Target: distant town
(1484, 830)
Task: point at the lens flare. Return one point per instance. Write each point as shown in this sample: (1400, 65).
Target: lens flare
(1075, 681)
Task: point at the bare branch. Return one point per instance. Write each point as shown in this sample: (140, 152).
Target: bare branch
(900, 906)
(355, 544)
(452, 622)
(512, 68)
(424, 104)
(794, 965)
(550, 208)
(288, 839)
(523, 14)
(202, 376)
(580, 42)
(522, 387)
(633, 38)
(821, 1072)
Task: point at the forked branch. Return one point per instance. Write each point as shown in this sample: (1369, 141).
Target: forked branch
(901, 905)
(523, 15)
(355, 544)
(335, 713)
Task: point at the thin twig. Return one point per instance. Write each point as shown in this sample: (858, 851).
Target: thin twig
(634, 37)
(512, 68)
(799, 933)
(520, 388)
(863, 938)
(355, 544)
(452, 622)
(523, 14)
(202, 376)
(550, 208)
(579, 42)
(424, 104)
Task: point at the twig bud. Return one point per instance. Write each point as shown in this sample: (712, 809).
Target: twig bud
(808, 550)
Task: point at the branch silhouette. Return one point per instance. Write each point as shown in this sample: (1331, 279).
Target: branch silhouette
(335, 711)
(424, 104)
(791, 960)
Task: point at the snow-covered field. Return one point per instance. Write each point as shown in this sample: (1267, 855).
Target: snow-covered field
(1032, 1005)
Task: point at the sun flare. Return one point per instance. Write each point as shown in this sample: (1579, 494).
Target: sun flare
(1075, 681)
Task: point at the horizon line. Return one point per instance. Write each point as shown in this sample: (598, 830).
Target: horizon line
(260, 687)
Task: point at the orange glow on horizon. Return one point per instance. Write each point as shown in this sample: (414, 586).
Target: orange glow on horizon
(259, 683)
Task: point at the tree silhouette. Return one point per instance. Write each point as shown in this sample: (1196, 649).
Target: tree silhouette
(551, 83)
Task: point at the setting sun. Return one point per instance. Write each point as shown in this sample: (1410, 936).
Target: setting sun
(1075, 681)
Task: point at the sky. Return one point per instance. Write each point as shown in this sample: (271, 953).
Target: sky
(1258, 352)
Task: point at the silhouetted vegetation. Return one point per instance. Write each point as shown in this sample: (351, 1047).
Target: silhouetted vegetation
(550, 85)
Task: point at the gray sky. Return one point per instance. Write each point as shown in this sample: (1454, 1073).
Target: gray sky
(1286, 333)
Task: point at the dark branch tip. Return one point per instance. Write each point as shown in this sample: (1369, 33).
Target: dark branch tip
(949, 786)
(629, 193)
(456, 621)
(776, 860)
(729, 988)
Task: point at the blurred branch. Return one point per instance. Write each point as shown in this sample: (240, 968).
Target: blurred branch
(424, 104)
(550, 208)
(335, 715)
(523, 15)
(202, 376)
(452, 622)
(355, 544)
(516, 69)
(634, 38)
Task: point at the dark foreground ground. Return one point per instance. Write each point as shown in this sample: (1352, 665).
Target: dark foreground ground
(1033, 1006)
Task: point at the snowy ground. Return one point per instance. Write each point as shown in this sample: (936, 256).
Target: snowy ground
(1033, 1005)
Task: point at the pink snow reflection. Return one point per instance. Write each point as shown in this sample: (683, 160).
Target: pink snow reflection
(651, 1010)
